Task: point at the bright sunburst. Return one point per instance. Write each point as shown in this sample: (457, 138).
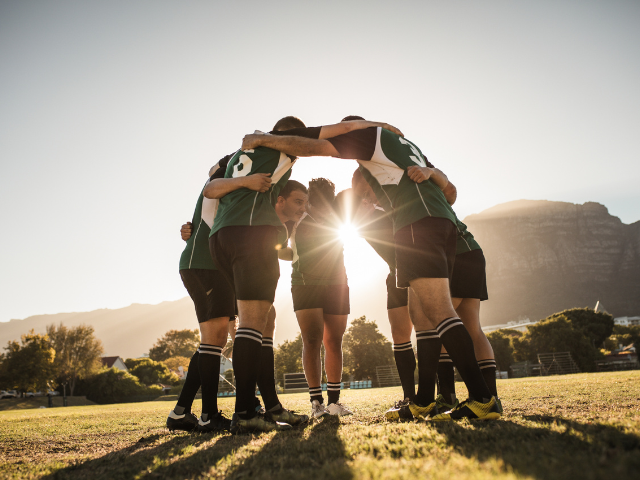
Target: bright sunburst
(348, 232)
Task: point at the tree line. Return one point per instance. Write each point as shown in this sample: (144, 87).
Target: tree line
(588, 335)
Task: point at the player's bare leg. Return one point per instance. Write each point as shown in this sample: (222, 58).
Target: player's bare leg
(334, 328)
(311, 323)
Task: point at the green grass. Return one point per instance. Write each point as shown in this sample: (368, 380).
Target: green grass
(37, 402)
(584, 426)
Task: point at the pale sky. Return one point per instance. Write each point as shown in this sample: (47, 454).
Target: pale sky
(112, 112)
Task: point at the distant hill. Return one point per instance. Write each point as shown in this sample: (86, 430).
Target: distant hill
(127, 332)
(543, 257)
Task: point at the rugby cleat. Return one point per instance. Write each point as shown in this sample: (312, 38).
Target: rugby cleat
(444, 406)
(318, 410)
(499, 403)
(287, 416)
(338, 409)
(423, 413)
(399, 411)
(472, 410)
(259, 423)
(186, 422)
(215, 423)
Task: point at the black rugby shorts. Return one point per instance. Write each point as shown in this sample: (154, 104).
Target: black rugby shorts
(211, 293)
(332, 299)
(425, 249)
(247, 257)
(469, 279)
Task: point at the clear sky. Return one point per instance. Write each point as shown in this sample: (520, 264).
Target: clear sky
(112, 112)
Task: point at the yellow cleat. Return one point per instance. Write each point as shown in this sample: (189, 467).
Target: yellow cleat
(472, 410)
(423, 413)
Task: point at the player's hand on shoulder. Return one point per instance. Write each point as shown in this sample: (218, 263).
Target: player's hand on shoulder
(392, 129)
(419, 174)
(259, 182)
(251, 141)
(185, 231)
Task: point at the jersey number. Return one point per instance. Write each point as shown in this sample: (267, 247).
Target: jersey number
(416, 157)
(243, 167)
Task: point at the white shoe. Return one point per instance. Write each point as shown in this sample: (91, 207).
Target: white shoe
(338, 409)
(318, 410)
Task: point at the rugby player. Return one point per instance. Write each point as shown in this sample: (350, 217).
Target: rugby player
(320, 296)
(425, 234)
(244, 244)
(214, 303)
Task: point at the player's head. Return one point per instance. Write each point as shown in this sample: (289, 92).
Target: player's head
(347, 206)
(292, 200)
(287, 123)
(362, 189)
(348, 118)
(322, 193)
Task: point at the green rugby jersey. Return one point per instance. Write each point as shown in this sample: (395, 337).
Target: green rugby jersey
(248, 207)
(384, 158)
(196, 253)
(318, 257)
(465, 241)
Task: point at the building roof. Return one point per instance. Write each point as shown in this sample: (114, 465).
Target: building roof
(109, 361)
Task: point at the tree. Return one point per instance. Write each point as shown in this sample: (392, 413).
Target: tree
(78, 353)
(175, 343)
(288, 356)
(595, 325)
(556, 334)
(174, 362)
(633, 333)
(150, 372)
(112, 385)
(365, 348)
(502, 348)
(29, 365)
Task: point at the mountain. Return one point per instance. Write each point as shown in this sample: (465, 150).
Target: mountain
(543, 257)
(127, 332)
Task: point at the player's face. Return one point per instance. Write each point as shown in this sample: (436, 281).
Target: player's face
(294, 206)
(365, 192)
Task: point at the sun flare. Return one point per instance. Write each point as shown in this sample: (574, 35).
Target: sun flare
(348, 232)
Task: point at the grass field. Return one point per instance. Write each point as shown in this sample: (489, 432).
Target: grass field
(583, 426)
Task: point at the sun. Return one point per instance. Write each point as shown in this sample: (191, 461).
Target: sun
(348, 232)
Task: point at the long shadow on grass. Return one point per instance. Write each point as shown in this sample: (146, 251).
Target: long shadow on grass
(318, 454)
(312, 452)
(139, 459)
(548, 447)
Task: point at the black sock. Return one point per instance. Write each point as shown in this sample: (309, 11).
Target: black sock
(459, 346)
(333, 392)
(428, 354)
(247, 352)
(266, 375)
(446, 378)
(315, 393)
(209, 366)
(488, 369)
(190, 387)
(406, 365)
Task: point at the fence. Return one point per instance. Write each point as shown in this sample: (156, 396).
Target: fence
(559, 363)
(295, 382)
(387, 376)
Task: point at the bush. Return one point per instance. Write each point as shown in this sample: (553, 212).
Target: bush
(114, 386)
(150, 372)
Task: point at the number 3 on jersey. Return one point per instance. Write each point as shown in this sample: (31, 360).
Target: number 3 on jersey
(416, 157)
(243, 167)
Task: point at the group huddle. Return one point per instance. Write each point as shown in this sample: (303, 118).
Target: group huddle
(250, 214)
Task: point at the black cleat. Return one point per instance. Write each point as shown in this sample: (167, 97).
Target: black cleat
(400, 411)
(186, 422)
(259, 423)
(215, 423)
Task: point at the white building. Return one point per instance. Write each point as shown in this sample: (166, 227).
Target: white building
(627, 321)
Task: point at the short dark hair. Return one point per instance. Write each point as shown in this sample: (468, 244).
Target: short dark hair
(321, 192)
(287, 123)
(351, 117)
(290, 187)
